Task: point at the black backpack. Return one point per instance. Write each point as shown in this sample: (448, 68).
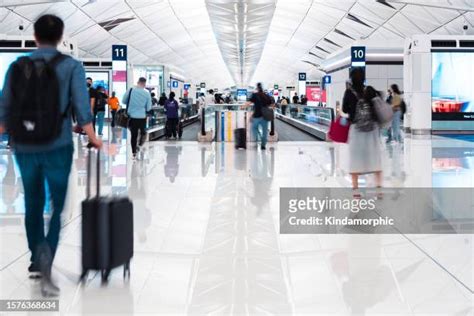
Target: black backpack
(100, 102)
(35, 115)
(403, 107)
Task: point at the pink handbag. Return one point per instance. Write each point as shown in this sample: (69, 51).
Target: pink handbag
(339, 130)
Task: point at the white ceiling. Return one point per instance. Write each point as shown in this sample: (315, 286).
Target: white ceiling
(174, 32)
(241, 29)
(227, 42)
(304, 32)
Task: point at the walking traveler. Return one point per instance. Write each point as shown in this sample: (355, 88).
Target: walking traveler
(397, 112)
(260, 101)
(284, 106)
(154, 100)
(172, 117)
(304, 99)
(364, 137)
(296, 99)
(389, 101)
(162, 99)
(99, 108)
(92, 93)
(138, 101)
(114, 105)
(39, 121)
(210, 98)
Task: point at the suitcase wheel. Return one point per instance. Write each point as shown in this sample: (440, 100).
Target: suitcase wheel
(105, 275)
(83, 276)
(126, 270)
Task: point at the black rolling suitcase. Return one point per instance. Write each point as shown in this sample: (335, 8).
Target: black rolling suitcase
(107, 230)
(240, 135)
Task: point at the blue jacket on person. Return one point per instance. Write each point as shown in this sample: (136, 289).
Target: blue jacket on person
(138, 101)
(72, 90)
(171, 107)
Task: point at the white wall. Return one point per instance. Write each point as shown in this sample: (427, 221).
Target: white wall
(378, 76)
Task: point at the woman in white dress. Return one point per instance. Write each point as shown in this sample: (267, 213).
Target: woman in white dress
(364, 136)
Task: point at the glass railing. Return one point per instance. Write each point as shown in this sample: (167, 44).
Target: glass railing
(157, 117)
(313, 115)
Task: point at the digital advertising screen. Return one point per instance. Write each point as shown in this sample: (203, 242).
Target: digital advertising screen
(6, 58)
(242, 94)
(315, 95)
(452, 85)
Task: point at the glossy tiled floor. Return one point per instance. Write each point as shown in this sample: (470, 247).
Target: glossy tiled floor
(207, 242)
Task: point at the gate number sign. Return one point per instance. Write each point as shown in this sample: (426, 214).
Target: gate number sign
(358, 56)
(119, 52)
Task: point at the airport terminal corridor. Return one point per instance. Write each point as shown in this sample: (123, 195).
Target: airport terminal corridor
(237, 157)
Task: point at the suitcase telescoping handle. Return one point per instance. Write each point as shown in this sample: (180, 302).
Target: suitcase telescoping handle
(89, 171)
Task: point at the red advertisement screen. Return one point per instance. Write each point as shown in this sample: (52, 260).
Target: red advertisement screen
(313, 93)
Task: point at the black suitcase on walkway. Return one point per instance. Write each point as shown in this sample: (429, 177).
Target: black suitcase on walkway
(240, 135)
(107, 230)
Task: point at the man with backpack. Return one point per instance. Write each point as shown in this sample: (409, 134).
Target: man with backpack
(39, 94)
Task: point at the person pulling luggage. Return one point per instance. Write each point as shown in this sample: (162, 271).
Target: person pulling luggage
(36, 107)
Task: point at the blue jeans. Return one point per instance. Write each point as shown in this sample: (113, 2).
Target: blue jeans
(396, 123)
(100, 121)
(260, 122)
(37, 170)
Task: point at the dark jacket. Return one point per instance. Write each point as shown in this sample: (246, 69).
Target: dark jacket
(349, 103)
(171, 107)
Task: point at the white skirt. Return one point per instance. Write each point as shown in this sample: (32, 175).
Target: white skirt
(365, 152)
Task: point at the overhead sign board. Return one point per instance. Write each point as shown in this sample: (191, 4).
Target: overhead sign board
(187, 86)
(119, 52)
(275, 87)
(203, 85)
(327, 79)
(302, 76)
(358, 56)
(119, 69)
(175, 83)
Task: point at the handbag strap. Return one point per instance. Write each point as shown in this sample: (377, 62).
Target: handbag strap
(129, 97)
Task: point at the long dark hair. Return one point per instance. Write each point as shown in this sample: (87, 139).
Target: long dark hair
(395, 89)
(358, 78)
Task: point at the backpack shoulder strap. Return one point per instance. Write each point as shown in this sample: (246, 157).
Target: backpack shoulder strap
(129, 97)
(57, 59)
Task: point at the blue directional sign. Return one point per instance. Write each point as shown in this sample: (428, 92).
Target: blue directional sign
(187, 86)
(302, 76)
(175, 84)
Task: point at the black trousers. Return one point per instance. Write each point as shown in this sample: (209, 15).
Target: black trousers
(137, 125)
(113, 112)
(171, 127)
